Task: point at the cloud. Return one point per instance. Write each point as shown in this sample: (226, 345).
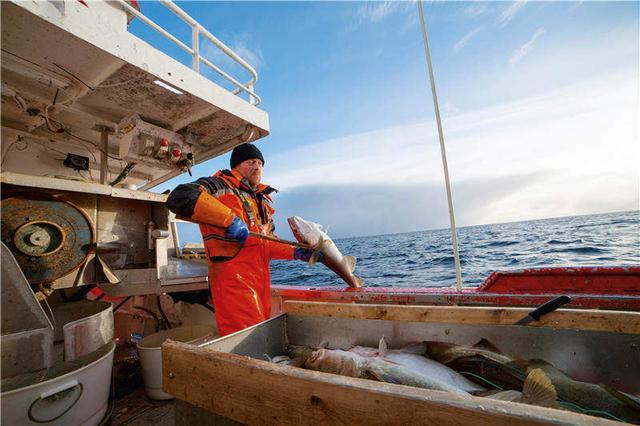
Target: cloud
(572, 151)
(475, 9)
(450, 108)
(575, 4)
(253, 57)
(359, 210)
(465, 39)
(507, 15)
(242, 45)
(526, 48)
(377, 11)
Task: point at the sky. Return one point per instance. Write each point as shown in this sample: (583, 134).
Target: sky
(540, 105)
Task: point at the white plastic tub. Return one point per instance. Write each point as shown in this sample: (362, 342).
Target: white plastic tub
(77, 393)
(151, 357)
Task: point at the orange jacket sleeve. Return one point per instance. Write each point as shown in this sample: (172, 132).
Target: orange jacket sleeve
(280, 251)
(194, 201)
(210, 210)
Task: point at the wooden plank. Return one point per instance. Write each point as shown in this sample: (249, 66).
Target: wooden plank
(440, 296)
(251, 391)
(581, 319)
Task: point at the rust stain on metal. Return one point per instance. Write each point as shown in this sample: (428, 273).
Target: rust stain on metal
(133, 89)
(23, 216)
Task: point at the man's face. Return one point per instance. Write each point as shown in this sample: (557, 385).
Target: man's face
(252, 170)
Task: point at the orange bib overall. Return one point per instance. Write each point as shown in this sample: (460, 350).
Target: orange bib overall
(239, 277)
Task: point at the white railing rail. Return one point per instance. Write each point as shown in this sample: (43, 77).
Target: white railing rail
(194, 49)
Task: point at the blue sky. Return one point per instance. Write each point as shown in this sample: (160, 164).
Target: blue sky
(540, 106)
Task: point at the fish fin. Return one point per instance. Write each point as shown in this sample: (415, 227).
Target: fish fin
(508, 395)
(485, 344)
(416, 348)
(324, 344)
(317, 249)
(367, 375)
(351, 263)
(622, 397)
(359, 281)
(374, 375)
(382, 347)
(314, 258)
(538, 390)
(381, 375)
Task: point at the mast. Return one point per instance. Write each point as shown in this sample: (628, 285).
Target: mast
(454, 234)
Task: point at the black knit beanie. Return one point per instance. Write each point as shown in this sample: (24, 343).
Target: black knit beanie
(245, 152)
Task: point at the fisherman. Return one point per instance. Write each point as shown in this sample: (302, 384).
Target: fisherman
(228, 206)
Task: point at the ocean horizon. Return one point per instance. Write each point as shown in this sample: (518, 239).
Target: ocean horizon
(425, 258)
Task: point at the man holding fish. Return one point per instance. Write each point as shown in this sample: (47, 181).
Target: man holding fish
(234, 212)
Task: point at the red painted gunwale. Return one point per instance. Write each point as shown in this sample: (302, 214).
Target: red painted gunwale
(612, 287)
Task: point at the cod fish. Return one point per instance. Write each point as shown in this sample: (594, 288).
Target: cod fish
(537, 390)
(311, 234)
(485, 361)
(412, 357)
(351, 364)
(445, 352)
(589, 398)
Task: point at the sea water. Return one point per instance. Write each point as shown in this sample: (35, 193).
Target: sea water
(425, 259)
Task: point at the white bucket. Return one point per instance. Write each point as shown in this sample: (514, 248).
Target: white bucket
(72, 397)
(151, 356)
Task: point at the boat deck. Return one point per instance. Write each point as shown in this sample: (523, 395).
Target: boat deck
(136, 409)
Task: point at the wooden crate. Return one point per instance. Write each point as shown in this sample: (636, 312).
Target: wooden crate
(232, 381)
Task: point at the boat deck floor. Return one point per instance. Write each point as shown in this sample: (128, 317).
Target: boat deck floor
(136, 409)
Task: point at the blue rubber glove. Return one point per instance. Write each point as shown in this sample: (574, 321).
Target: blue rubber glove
(305, 255)
(237, 230)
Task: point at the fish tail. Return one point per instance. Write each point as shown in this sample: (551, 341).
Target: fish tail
(623, 397)
(538, 390)
(359, 281)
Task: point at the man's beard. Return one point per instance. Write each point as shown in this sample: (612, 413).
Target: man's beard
(254, 179)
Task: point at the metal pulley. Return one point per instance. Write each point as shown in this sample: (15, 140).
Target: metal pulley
(48, 236)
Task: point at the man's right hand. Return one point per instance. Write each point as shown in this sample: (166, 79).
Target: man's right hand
(237, 230)
(305, 255)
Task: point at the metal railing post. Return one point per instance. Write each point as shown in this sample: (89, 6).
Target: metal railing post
(195, 46)
(196, 31)
(252, 100)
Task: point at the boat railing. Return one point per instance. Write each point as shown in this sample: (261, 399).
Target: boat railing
(194, 50)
